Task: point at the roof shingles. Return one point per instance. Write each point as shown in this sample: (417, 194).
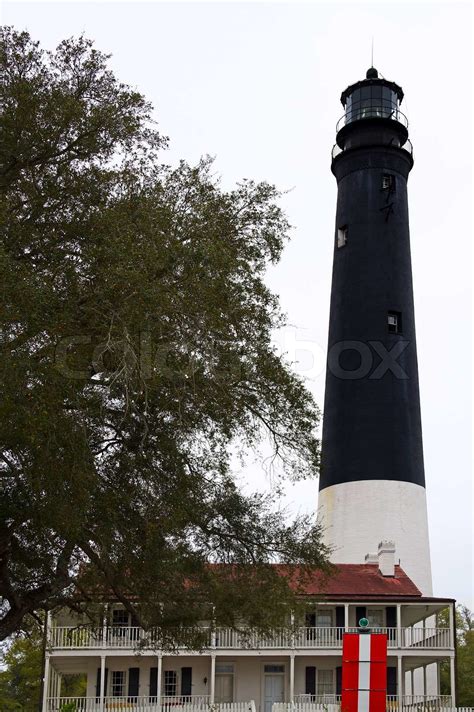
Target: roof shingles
(355, 580)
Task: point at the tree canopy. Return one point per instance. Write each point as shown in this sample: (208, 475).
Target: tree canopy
(136, 351)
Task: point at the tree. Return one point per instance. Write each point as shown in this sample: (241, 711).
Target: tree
(135, 353)
(20, 681)
(465, 658)
(22, 667)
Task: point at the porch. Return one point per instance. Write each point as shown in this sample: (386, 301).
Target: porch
(232, 682)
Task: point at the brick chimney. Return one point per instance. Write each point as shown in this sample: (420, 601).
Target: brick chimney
(386, 557)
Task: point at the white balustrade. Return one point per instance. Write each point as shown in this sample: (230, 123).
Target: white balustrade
(422, 703)
(72, 704)
(76, 637)
(417, 703)
(431, 638)
(186, 703)
(172, 701)
(229, 639)
(319, 637)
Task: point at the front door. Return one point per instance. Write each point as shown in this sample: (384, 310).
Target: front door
(274, 689)
(224, 688)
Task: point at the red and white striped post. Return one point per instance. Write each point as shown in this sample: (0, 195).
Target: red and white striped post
(364, 672)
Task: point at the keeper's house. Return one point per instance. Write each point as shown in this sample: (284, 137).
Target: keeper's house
(237, 673)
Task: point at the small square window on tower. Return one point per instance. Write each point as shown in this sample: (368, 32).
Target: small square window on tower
(388, 182)
(394, 321)
(342, 236)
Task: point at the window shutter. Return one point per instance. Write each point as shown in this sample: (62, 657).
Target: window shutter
(391, 616)
(310, 680)
(133, 683)
(153, 684)
(186, 680)
(97, 685)
(361, 612)
(339, 620)
(134, 633)
(339, 680)
(391, 680)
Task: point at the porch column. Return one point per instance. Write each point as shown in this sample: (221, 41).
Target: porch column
(399, 626)
(452, 676)
(102, 684)
(412, 682)
(400, 682)
(104, 628)
(425, 691)
(292, 678)
(346, 616)
(159, 674)
(58, 685)
(46, 683)
(452, 627)
(212, 686)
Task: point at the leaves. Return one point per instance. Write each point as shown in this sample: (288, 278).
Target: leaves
(136, 351)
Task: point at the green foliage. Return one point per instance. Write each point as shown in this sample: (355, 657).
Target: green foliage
(20, 681)
(465, 658)
(135, 353)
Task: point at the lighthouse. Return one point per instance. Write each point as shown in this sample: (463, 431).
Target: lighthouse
(372, 484)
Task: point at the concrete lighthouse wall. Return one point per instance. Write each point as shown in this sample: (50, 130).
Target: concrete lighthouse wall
(357, 515)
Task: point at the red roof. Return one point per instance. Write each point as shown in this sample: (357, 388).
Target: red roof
(353, 580)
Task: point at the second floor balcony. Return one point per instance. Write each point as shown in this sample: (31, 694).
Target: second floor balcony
(222, 639)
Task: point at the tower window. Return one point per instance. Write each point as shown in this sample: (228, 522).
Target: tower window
(342, 236)
(388, 182)
(394, 321)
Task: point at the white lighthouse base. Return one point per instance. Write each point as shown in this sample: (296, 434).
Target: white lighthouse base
(358, 515)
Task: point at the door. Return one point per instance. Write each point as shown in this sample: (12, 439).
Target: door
(274, 690)
(224, 691)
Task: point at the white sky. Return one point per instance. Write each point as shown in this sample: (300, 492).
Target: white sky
(258, 86)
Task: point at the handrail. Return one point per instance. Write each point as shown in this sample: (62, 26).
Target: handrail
(130, 637)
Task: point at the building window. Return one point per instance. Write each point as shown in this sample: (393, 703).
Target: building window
(118, 683)
(120, 617)
(171, 683)
(274, 669)
(394, 321)
(388, 182)
(224, 668)
(376, 617)
(325, 682)
(323, 619)
(342, 236)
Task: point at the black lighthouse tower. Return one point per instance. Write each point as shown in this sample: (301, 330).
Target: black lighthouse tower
(372, 484)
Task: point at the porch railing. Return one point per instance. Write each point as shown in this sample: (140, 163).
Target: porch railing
(426, 638)
(66, 637)
(332, 703)
(191, 703)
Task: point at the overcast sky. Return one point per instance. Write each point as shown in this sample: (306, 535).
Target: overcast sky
(257, 85)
